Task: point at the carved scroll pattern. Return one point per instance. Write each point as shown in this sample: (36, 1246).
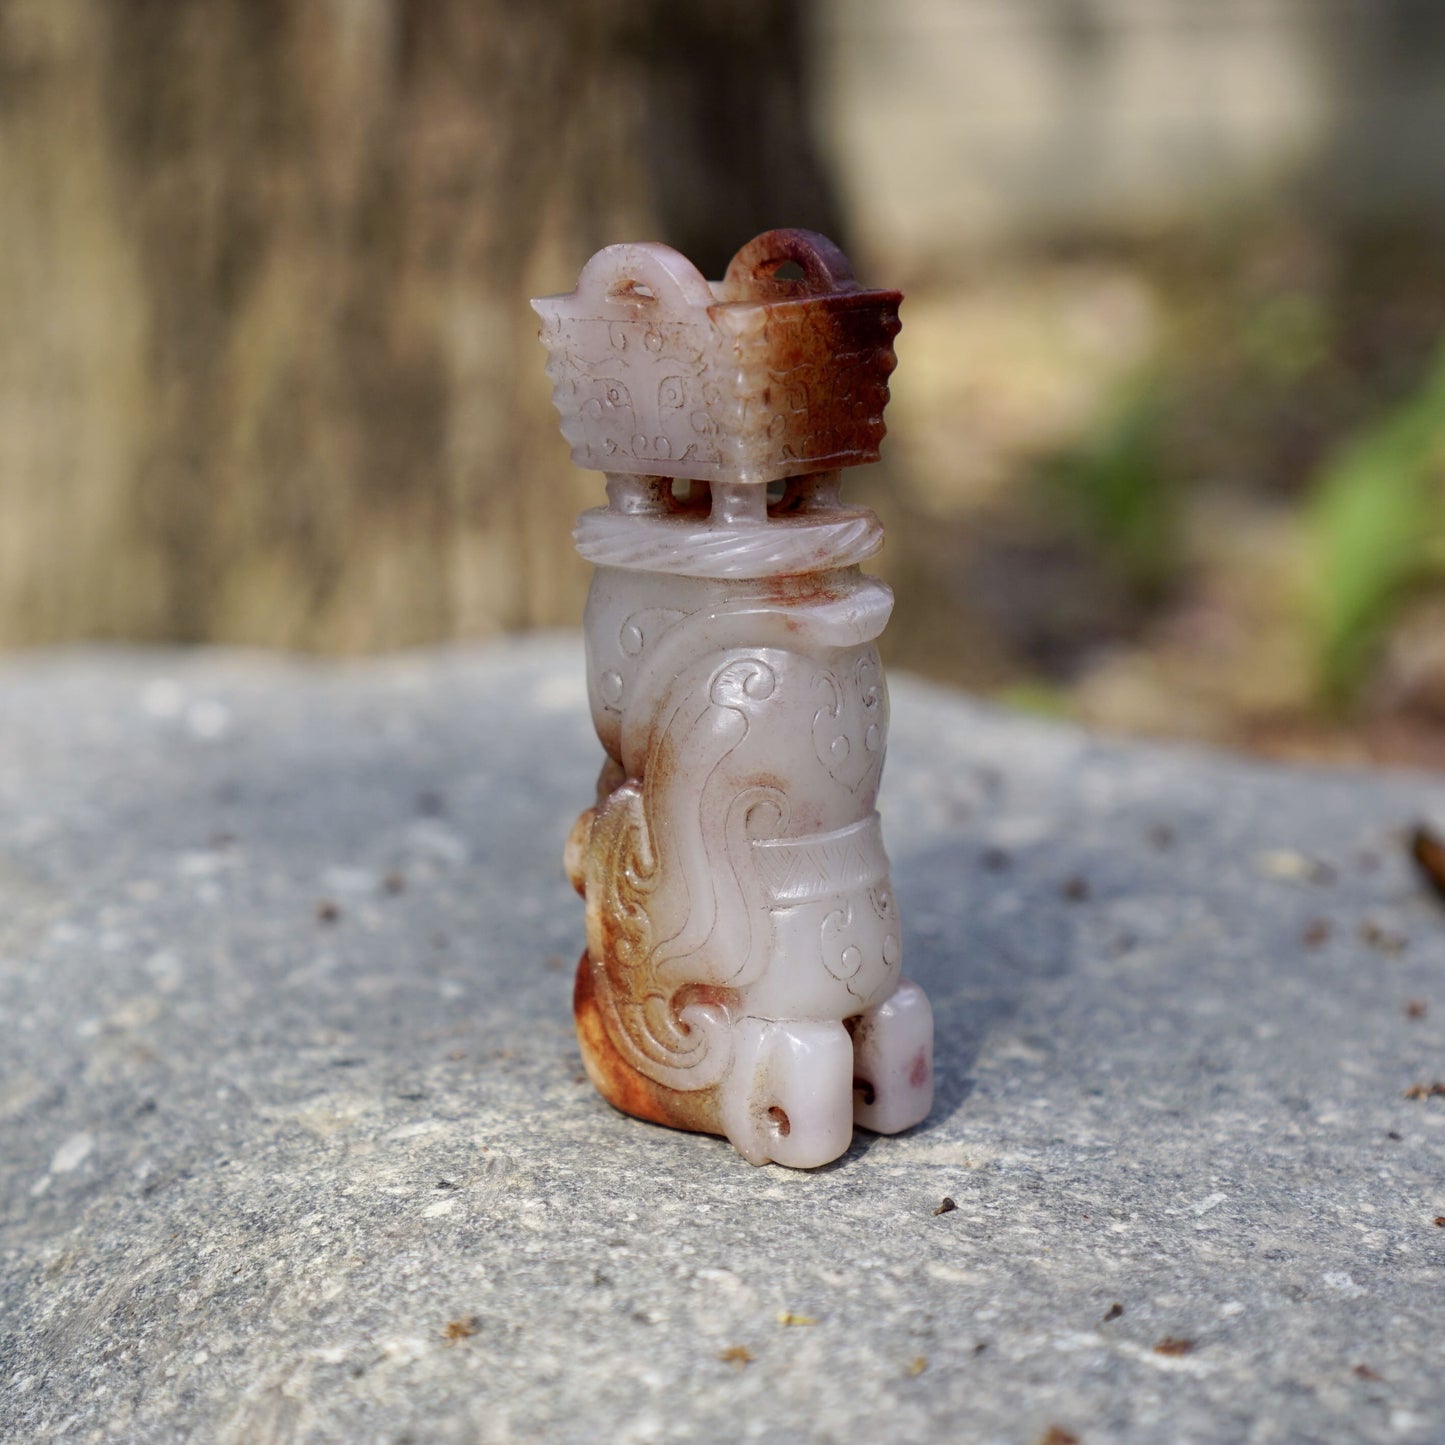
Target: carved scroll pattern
(822, 382)
(853, 937)
(642, 394)
(668, 923)
(850, 729)
(638, 632)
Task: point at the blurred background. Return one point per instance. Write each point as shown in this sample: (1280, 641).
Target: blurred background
(1167, 443)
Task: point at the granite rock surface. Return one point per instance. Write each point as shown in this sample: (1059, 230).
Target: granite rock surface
(295, 1145)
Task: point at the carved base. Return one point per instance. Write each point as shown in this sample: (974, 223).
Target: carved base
(795, 1088)
(744, 947)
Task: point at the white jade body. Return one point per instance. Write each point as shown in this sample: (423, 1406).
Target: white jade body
(743, 972)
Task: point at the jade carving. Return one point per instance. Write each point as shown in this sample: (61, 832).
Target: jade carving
(743, 968)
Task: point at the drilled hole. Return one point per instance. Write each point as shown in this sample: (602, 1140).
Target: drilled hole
(775, 492)
(864, 1090)
(779, 1120)
(789, 271)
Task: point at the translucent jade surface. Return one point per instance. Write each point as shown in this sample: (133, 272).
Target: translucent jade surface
(743, 970)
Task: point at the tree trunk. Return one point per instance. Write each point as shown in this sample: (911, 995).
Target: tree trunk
(267, 374)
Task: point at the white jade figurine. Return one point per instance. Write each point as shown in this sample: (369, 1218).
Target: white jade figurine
(743, 966)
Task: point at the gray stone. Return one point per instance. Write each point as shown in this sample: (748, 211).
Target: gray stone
(294, 1144)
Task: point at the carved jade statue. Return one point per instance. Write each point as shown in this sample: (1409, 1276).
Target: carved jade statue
(743, 966)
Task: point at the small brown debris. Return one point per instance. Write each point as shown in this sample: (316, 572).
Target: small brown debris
(1173, 1345)
(1113, 1312)
(462, 1329)
(980, 1347)
(1440, 1221)
(394, 882)
(1317, 931)
(1393, 1134)
(787, 1317)
(1366, 1373)
(738, 1356)
(946, 1207)
(1385, 939)
(1427, 848)
(1426, 1091)
(1057, 1435)
(917, 1365)
(1416, 1008)
(1076, 889)
(327, 911)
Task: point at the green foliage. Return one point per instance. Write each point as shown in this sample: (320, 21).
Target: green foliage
(1286, 336)
(1121, 492)
(1036, 696)
(1377, 521)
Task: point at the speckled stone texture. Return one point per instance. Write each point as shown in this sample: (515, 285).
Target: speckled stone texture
(295, 1146)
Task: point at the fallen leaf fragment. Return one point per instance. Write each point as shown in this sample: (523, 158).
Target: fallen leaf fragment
(787, 1317)
(1427, 848)
(1385, 939)
(1426, 1091)
(1057, 1435)
(917, 1365)
(1171, 1345)
(738, 1356)
(461, 1329)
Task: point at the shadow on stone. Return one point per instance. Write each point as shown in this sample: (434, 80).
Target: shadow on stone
(976, 940)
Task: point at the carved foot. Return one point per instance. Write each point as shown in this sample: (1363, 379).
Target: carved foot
(893, 1062)
(787, 1098)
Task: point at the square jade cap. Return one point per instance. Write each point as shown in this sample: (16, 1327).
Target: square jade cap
(659, 372)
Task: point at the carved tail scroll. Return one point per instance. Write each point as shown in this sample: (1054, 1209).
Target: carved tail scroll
(673, 930)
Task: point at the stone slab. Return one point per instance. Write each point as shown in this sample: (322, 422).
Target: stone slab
(295, 1146)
